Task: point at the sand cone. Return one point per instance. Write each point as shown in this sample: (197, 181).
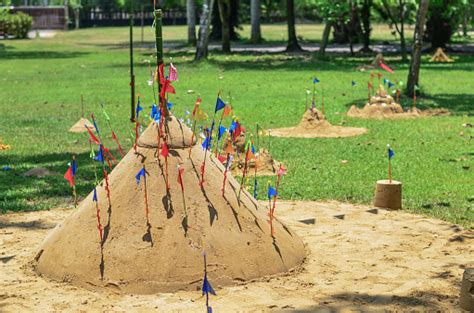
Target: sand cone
(313, 124)
(381, 105)
(165, 255)
(440, 56)
(79, 126)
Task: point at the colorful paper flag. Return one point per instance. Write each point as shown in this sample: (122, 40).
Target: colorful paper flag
(93, 137)
(164, 150)
(173, 73)
(315, 80)
(206, 287)
(385, 67)
(220, 104)
(353, 83)
(391, 153)
(271, 192)
(69, 176)
(139, 175)
(94, 196)
(100, 156)
(221, 132)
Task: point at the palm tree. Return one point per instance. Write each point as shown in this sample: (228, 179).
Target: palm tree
(191, 19)
(415, 62)
(293, 45)
(255, 10)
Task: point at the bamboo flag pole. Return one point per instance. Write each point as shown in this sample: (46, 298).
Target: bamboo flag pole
(196, 107)
(146, 196)
(74, 193)
(244, 172)
(132, 76)
(389, 163)
(82, 106)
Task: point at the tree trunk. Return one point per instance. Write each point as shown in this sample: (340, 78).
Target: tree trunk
(203, 40)
(293, 45)
(325, 39)
(76, 18)
(414, 73)
(366, 29)
(191, 19)
(403, 44)
(224, 13)
(255, 10)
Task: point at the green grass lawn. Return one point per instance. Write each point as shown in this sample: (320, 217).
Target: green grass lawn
(42, 81)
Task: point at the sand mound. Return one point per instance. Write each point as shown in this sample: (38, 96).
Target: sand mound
(4, 146)
(374, 64)
(179, 135)
(440, 56)
(166, 255)
(383, 106)
(314, 125)
(79, 126)
(266, 165)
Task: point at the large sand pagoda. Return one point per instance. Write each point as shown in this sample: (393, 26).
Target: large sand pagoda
(313, 124)
(166, 255)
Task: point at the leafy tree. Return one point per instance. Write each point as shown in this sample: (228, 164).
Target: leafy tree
(331, 11)
(293, 45)
(444, 17)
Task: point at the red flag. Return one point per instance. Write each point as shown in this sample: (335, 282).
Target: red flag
(372, 75)
(385, 67)
(379, 75)
(114, 137)
(93, 137)
(237, 131)
(369, 85)
(164, 150)
(229, 149)
(198, 102)
(222, 158)
(180, 177)
(227, 110)
(281, 171)
(161, 73)
(69, 177)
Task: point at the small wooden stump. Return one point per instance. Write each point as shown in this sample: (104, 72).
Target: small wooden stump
(466, 300)
(388, 194)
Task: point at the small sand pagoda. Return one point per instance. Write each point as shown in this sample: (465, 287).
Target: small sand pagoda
(440, 57)
(80, 126)
(381, 105)
(166, 254)
(314, 125)
(266, 165)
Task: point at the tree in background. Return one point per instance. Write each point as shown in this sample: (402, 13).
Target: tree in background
(255, 12)
(365, 13)
(216, 23)
(444, 18)
(224, 14)
(293, 45)
(398, 12)
(202, 47)
(330, 11)
(414, 73)
(191, 21)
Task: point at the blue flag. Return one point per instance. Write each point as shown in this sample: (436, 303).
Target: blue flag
(390, 85)
(219, 104)
(315, 80)
(170, 105)
(233, 126)
(139, 175)
(206, 287)
(100, 156)
(139, 108)
(94, 196)
(154, 111)
(73, 168)
(385, 81)
(353, 83)
(390, 153)
(206, 144)
(252, 148)
(271, 192)
(221, 132)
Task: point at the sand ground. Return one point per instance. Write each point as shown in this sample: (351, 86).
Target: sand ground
(358, 260)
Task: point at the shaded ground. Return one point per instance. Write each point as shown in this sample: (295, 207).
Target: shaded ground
(358, 258)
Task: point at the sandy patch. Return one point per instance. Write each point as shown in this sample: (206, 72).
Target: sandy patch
(357, 260)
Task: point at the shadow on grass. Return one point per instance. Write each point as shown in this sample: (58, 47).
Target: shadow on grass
(21, 193)
(9, 53)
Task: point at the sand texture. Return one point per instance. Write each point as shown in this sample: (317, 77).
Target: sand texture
(80, 126)
(359, 261)
(314, 125)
